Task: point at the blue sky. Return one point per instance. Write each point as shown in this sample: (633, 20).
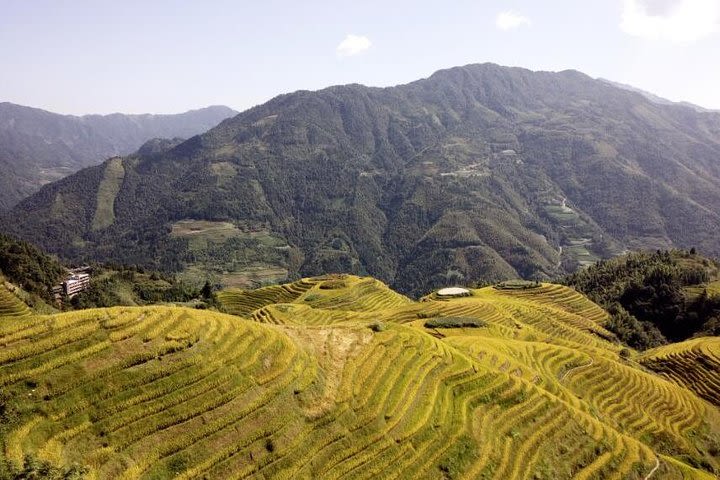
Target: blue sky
(165, 56)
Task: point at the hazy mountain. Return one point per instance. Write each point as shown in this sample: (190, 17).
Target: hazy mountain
(37, 147)
(478, 172)
(656, 98)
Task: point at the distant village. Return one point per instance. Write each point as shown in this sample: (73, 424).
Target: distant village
(77, 280)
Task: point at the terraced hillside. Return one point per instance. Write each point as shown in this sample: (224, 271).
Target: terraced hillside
(339, 377)
(694, 364)
(10, 305)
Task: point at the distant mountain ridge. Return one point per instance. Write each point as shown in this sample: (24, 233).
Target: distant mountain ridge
(37, 146)
(479, 172)
(658, 99)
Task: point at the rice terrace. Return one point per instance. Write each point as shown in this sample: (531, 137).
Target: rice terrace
(340, 377)
(360, 241)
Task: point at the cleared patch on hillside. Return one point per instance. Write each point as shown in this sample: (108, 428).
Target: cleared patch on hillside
(249, 276)
(233, 255)
(578, 235)
(107, 191)
(201, 231)
(225, 173)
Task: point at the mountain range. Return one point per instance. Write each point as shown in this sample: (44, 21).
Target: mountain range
(38, 147)
(477, 173)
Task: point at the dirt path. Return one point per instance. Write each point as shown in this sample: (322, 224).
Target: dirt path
(657, 465)
(575, 368)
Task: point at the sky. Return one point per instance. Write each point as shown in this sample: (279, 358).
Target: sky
(165, 56)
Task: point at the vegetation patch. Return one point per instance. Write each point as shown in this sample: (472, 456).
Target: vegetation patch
(455, 322)
(333, 285)
(517, 285)
(457, 460)
(378, 327)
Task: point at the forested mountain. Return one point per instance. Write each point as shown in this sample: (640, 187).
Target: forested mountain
(477, 172)
(37, 147)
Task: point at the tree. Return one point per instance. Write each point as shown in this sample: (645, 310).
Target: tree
(206, 291)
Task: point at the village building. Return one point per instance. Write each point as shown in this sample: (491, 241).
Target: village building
(76, 283)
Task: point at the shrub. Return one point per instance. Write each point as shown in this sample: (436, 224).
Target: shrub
(517, 285)
(455, 322)
(378, 327)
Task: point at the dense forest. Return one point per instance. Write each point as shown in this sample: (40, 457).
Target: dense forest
(28, 267)
(655, 298)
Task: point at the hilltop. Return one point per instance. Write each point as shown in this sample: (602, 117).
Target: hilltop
(38, 147)
(479, 172)
(341, 377)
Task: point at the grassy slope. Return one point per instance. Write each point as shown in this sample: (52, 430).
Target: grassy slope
(338, 378)
(107, 191)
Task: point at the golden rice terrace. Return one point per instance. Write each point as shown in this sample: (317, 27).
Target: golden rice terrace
(340, 377)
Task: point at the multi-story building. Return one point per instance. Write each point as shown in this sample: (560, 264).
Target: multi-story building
(76, 283)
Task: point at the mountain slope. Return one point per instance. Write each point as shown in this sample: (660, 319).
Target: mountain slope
(694, 364)
(37, 147)
(345, 380)
(29, 268)
(656, 98)
(654, 297)
(478, 172)
(11, 305)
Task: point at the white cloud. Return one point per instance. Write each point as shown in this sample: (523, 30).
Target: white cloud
(686, 21)
(352, 45)
(510, 20)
